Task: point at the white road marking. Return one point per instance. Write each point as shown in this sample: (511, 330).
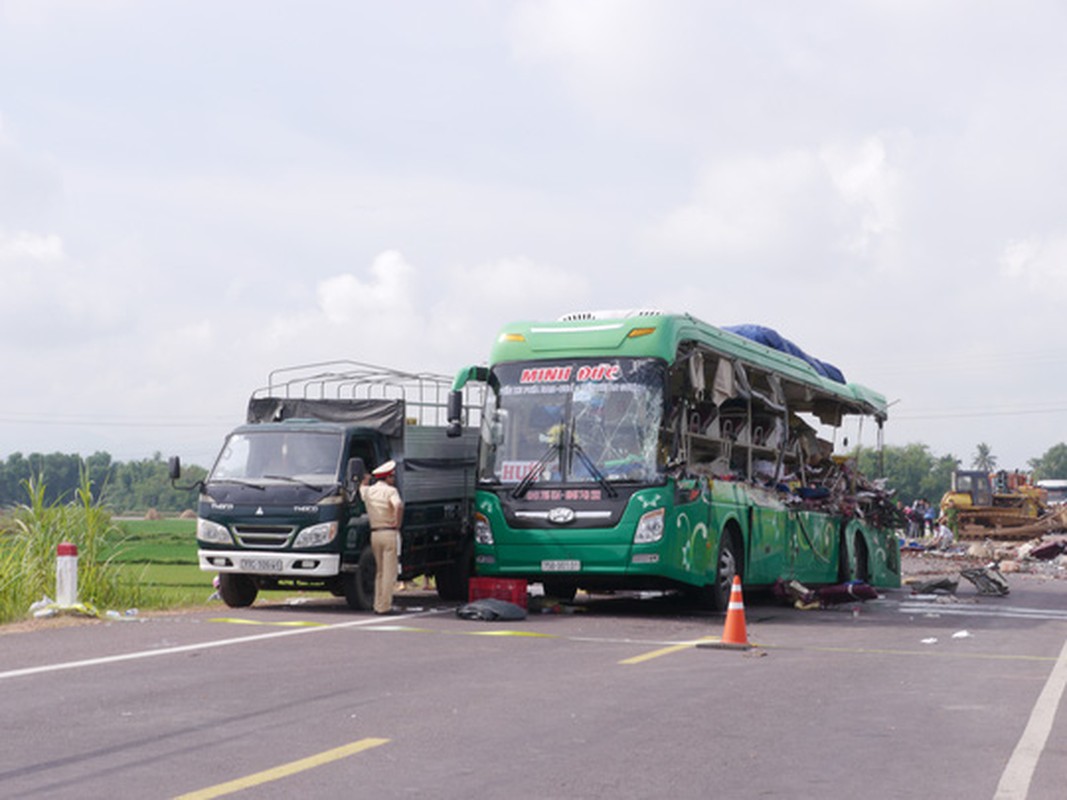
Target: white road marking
(187, 648)
(1015, 780)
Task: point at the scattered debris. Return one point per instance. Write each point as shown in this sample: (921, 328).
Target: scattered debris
(988, 579)
(805, 599)
(936, 586)
(489, 609)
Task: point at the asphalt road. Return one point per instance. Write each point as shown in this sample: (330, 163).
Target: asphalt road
(891, 698)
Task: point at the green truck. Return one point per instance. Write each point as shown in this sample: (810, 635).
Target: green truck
(280, 508)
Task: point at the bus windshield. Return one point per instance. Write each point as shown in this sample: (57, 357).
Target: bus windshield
(574, 421)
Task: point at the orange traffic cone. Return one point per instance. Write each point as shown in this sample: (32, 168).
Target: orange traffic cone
(734, 633)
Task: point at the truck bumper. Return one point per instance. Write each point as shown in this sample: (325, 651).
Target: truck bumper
(271, 562)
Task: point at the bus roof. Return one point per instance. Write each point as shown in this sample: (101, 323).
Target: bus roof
(658, 334)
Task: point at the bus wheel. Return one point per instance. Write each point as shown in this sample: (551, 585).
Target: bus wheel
(359, 585)
(560, 590)
(236, 590)
(725, 570)
(858, 563)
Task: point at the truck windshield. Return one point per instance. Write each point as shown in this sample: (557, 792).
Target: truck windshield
(311, 457)
(581, 421)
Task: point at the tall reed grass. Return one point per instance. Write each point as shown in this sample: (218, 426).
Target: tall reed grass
(29, 535)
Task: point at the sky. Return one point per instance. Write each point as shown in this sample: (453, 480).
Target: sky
(193, 194)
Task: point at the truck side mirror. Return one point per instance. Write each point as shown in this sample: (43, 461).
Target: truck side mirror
(455, 414)
(174, 468)
(355, 471)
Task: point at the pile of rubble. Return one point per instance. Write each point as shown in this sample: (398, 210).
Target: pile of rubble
(1045, 556)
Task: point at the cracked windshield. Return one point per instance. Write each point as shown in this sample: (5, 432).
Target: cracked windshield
(576, 421)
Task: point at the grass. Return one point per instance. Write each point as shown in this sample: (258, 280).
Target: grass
(29, 536)
(122, 564)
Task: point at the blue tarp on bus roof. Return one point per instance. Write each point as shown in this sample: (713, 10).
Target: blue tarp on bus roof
(771, 338)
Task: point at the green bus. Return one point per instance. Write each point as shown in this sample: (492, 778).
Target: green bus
(652, 451)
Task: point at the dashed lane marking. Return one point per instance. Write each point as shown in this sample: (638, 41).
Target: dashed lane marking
(283, 771)
(666, 651)
(285, 624)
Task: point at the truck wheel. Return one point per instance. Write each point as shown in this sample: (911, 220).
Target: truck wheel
(236, 590)
(359, 585)
(560, 590)
(452, 581)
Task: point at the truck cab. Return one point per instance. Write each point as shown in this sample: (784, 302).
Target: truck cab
(281, 508)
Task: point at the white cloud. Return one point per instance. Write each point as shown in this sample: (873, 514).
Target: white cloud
(830, 209)
(1040, 265)
(867, 185)
(27, 246)
(346, 298)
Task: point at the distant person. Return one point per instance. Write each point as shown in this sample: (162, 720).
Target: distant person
(386, 511)
(943, 536)
(929, 518)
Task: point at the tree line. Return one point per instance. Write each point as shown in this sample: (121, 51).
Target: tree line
(130, 487)
(912, 471)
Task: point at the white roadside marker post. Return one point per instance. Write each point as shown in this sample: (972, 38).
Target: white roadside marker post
(66, 574)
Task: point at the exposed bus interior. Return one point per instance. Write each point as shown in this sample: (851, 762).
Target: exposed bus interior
(730, 420)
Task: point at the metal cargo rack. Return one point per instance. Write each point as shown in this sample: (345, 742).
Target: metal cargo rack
(424, 394)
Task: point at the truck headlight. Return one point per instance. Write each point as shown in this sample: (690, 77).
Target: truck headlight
(483, 531)
(650, 527)
(316, 535)
(208, 531)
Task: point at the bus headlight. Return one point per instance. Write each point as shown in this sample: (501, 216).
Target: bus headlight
(208, 531)
(316, 535)
(650, 527)
(483, 531)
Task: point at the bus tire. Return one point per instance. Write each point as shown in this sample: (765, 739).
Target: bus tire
(237, 590)
(453, 579)
(359, 585)
(726, 567)
(861, 565)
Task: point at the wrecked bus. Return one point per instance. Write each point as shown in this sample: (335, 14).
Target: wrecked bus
(647, 450)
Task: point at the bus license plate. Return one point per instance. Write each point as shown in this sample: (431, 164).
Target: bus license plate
(260, 564)
(561, 565)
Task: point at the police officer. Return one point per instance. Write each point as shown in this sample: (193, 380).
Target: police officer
(386, 512)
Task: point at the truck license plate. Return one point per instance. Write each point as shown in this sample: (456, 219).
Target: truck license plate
(561, 565)
(260, 564)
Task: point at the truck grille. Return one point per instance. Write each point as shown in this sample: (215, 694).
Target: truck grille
(263, 535)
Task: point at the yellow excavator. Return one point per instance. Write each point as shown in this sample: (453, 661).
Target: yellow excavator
(1001, 505)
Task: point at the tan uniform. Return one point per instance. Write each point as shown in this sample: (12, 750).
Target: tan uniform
(384, 508)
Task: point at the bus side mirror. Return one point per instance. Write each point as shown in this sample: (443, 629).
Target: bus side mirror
(174, 468)
(455, 414)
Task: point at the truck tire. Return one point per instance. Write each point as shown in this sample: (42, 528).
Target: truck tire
(564, 591)
(359, 585)
(452, 580)
(237, 590)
